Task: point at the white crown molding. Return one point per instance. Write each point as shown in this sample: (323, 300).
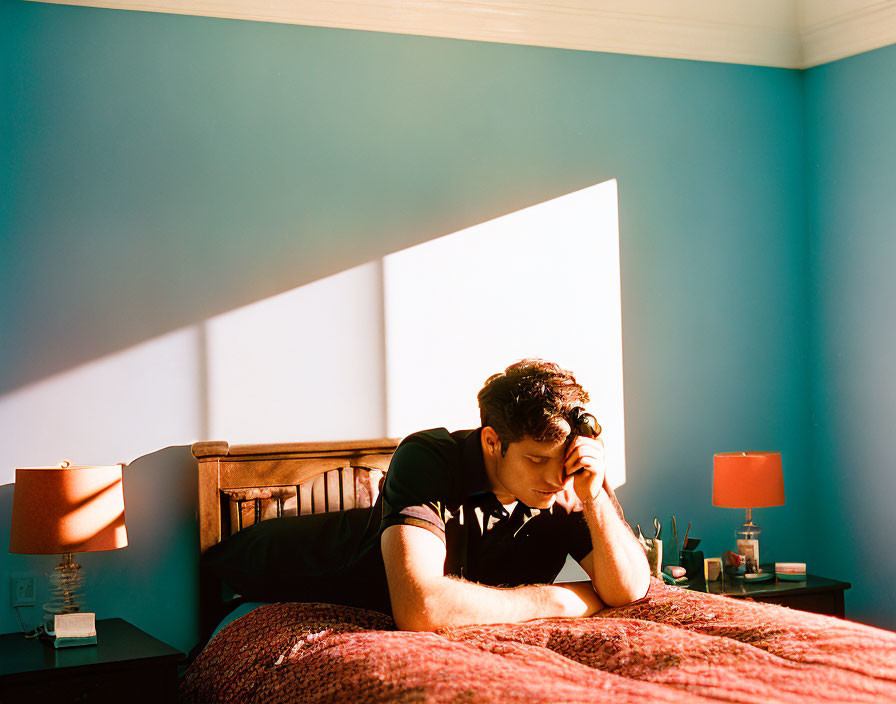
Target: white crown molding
(835, 29)
(783, 33)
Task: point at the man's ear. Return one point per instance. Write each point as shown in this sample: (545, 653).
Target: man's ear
(490, 440)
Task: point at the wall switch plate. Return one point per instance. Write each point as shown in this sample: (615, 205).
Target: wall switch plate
(23, 589)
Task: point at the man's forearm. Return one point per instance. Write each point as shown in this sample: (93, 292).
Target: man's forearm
(447, 601)
(621, 573)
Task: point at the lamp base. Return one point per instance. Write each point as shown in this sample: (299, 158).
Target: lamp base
(66, 591)
(748, 544)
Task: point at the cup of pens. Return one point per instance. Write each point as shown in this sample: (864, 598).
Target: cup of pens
(653, 548)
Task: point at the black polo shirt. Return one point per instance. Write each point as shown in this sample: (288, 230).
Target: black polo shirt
(437, 481)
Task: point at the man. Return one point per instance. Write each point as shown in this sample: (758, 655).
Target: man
(477, 524)
(470, 527)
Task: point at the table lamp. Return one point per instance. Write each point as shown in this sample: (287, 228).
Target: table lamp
(748, 480)
(63, 510)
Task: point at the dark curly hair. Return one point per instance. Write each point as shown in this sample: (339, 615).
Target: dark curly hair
(532, 398)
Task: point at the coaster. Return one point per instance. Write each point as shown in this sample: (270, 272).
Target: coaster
(72, 641)
(791, 576)
(758, 577)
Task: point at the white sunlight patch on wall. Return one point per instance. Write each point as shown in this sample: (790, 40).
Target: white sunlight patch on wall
(540, 282)
(113, 409)
(305, 365)
(330, 361)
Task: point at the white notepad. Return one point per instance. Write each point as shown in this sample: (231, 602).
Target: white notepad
(79, 625)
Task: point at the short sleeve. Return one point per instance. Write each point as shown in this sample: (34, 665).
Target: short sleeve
(417, 485)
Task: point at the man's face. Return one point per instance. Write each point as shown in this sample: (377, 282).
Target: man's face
(532, 472)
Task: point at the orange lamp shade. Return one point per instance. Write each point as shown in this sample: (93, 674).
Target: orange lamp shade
(65, 509)
(747, 479)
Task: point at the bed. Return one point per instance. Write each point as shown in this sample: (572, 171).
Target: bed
(673, 645)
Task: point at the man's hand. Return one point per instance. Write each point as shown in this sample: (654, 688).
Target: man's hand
(618, 566)
(586, 466)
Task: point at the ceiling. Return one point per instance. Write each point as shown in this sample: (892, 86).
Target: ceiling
(784, 33)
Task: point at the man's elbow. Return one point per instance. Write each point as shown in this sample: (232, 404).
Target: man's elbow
(624, 597)
(416, 612)
(423, 606)
(415, 620)
(633, 590)
(639, 591)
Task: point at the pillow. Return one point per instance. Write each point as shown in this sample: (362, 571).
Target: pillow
(240, 610)
(323, 557)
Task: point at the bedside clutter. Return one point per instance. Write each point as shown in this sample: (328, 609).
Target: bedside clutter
(812, 593)
(747, 480)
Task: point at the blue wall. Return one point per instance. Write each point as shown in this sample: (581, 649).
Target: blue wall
(166, 168)
(852, 195)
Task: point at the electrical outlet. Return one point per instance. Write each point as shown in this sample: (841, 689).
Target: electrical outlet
(23, 589)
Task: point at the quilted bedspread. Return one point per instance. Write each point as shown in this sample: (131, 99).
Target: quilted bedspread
(672, 646)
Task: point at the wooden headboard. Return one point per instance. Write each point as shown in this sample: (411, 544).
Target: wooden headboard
(242, 484)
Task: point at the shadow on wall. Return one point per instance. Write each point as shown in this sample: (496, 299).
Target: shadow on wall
(153, 583)
(18, 564)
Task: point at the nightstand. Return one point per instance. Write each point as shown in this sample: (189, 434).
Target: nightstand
(817, 594)
(126, 665)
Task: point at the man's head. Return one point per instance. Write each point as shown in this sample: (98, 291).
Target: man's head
(531, 399)
(529, 413)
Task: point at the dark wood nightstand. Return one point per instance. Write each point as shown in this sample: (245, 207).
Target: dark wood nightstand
(126, 665)
(817, 594)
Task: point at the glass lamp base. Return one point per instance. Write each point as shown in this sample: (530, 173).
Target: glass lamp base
(66, 591)
(748, 545)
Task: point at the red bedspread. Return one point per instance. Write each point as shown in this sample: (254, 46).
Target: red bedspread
(672, 646)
